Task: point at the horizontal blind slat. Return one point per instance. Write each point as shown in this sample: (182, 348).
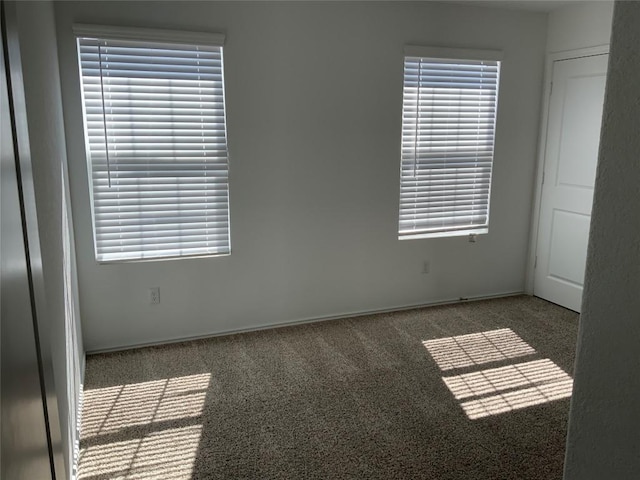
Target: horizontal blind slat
(157, 147)
(448, 131)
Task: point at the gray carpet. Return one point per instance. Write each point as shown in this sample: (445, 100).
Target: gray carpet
(374, 397)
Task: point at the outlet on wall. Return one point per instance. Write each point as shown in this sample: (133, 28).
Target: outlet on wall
(154, 295)
(426, 267)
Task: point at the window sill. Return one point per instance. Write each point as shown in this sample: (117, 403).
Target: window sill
(161, 259)
(451, 233)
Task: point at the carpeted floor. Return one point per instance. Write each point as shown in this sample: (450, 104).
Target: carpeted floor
(469, 391)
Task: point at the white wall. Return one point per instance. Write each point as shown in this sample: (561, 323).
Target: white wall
(48, 156)
(603, 440)
(314, 93)
(581, 25)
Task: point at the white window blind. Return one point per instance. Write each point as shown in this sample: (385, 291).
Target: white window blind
(157, 147)
(448, 129)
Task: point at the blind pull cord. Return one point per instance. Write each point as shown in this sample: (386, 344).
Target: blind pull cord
(104, 117)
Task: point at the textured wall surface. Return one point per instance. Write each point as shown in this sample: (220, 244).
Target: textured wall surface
(603, 440)
(314, 103)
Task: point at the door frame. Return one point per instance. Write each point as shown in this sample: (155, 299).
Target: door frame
(13, 72)
(550, 60)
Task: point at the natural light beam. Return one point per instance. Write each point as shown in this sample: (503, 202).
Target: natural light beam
(493, 391)
(518, 399)
(477, 348)
(156, 451)
(167, 454)
(110, 409)
(495, 380)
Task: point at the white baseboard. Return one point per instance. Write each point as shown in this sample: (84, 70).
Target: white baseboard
(291, 323)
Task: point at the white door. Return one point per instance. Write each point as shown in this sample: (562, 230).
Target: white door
(571, 155)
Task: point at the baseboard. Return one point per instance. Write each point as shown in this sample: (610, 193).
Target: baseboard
(303, 321)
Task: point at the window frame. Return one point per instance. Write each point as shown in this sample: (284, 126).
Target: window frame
(159, 36)
(455, 54)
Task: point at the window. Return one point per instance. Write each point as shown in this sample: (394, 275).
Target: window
(448, 129)
(155, 132)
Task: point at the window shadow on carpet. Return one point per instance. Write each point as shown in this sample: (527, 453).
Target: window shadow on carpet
(143, 430)
(492, 391)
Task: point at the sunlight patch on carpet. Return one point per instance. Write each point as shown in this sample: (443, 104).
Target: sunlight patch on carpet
(492, 391)
(477, 348)
(517, 399)
(166, 454)
(148, 412)
(108, 410)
